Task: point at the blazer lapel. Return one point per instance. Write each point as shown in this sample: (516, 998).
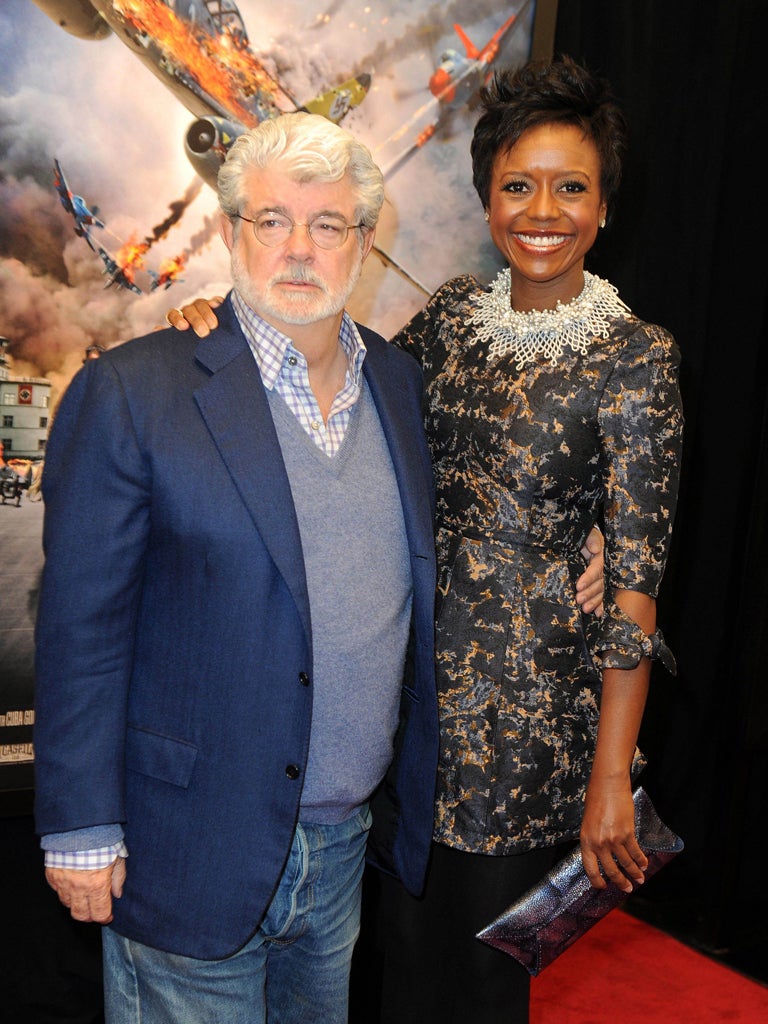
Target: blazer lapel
(234, 405)
(403, 430)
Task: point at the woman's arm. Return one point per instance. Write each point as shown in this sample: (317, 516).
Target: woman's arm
(640, 423)
(608, 827)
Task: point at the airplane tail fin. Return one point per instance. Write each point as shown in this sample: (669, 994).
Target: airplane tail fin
(472, 51)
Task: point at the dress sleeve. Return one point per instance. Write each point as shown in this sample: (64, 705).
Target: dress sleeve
(640, 421)
(621, 643)
(429, 334)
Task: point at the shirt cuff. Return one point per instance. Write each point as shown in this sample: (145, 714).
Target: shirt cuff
(85, 860)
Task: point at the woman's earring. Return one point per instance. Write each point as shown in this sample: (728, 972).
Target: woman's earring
(487, 216)
(602, 222)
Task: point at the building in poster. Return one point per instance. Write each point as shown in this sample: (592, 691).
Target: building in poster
(24, 408)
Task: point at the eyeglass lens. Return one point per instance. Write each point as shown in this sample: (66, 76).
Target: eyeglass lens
(326, 231)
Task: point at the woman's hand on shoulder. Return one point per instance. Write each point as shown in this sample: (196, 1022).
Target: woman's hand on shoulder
(197, 314)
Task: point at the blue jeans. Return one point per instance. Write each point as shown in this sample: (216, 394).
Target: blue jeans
(294, 970)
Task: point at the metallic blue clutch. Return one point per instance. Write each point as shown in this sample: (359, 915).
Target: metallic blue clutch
(557, 911)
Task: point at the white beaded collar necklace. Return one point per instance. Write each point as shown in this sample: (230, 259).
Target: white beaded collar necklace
(545, 332)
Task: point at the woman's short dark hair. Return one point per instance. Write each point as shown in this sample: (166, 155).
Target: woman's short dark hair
(543, 92)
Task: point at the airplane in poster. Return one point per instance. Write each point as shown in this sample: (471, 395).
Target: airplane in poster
(200, 50)
(121, 268)
(459, 76)
(121, 276)
(454, 83)
(167, 275)
(76, 206)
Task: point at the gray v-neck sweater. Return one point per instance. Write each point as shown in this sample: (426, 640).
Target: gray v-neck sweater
(360, 590)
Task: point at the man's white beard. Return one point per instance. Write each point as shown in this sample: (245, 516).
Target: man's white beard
(267, 302)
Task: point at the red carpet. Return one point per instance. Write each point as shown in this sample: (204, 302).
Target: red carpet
(623, 971)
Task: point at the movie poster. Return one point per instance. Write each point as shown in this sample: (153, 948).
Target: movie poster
(108, 215)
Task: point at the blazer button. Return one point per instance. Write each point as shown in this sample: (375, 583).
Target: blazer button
(303, 678)
(292, 771)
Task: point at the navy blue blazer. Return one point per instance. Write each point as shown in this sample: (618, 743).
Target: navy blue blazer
(174, 640)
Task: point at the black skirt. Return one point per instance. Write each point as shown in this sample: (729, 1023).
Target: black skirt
(434, 969)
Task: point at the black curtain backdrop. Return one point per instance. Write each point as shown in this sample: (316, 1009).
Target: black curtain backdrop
(686, 250)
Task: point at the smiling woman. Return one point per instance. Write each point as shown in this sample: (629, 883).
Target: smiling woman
(549, 406)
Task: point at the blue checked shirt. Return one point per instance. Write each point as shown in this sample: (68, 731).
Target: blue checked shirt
(283, 369)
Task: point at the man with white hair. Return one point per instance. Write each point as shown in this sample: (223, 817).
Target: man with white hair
(222, 680)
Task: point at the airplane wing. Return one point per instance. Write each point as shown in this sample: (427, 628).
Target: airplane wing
(390, 261)
(419, 128)
(65, 194)
(335, 103)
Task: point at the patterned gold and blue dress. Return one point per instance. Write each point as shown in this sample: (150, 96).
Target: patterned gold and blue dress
(526, 461)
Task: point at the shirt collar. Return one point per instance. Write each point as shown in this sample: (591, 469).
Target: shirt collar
(271, 348)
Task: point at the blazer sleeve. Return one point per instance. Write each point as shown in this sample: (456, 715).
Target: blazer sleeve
(95, 487)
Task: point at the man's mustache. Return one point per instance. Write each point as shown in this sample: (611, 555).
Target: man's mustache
(300, 274)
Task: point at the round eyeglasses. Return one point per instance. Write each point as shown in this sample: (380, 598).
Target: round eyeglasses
(325, 230)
